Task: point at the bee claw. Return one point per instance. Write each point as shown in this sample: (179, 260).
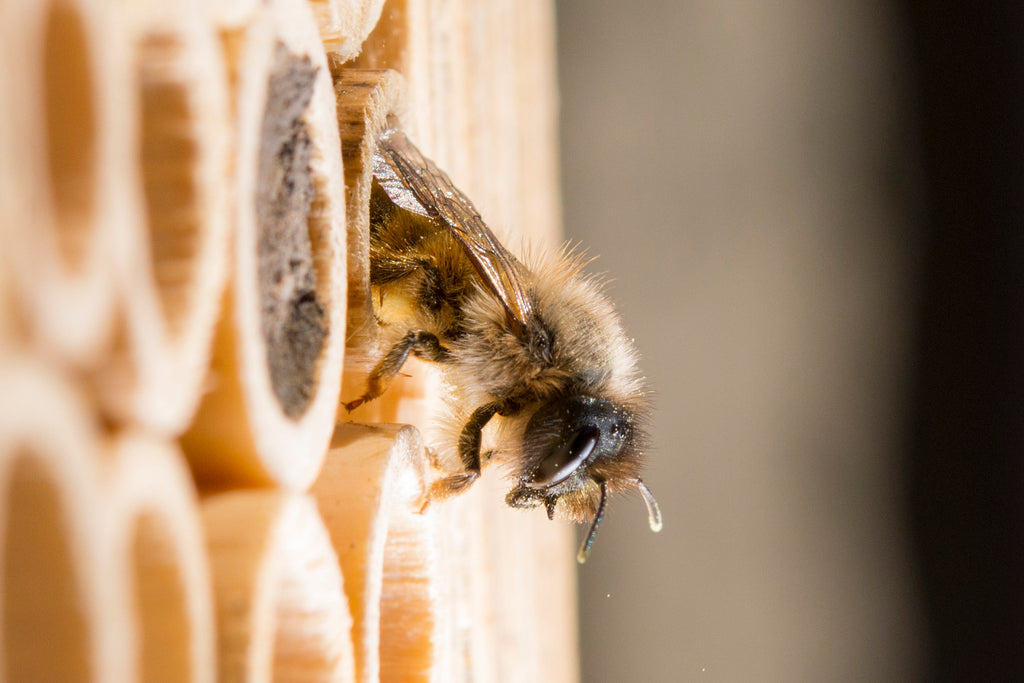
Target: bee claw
(523, 497)
(450, 486)
(352, 405)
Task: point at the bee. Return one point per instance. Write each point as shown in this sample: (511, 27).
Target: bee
(540, 348)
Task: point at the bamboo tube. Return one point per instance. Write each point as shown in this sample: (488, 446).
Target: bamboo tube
(55, 598)
(175, 260)
(344, 24)
(366, 100)
(466, 590)
(368, 103)
(404, 41)
(154, 545)
(495, 61)
(482, 100)
(67, 104)
(280, 342)
(231, 17)
(9, 327)
(370, 493)
(509, 61)
(512, 117)
(281, 608)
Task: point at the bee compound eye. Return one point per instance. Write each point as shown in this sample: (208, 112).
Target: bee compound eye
(564, 460)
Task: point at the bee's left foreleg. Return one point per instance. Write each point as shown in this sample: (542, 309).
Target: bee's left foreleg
(419, 343)
(469, 452)
(524, 496)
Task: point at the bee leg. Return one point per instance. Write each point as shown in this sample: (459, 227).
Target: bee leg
(524, 497)
(421, 344)
(469, 452)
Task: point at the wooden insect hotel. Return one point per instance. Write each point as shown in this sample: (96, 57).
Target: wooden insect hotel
(184, 303)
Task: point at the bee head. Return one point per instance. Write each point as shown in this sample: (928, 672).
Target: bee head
(575, 446)
(570, 433)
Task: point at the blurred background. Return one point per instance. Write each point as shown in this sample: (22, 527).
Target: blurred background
(812, 215)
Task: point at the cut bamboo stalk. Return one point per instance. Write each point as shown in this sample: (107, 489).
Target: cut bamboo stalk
(369, 102)
(344, 24)
(426, 41)
(481, 96)
(366, 100)
(10, 332)
(281, 608)
(535, 100)
(512, 116)
(230, 16)
(509, 62)
(67, 103)
(370, 494)
(403, 41)
(175, 260)
(11, 329)
(153, 542)
(280, 342)
(55, 598)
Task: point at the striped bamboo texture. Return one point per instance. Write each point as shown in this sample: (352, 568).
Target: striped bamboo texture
(184, 304)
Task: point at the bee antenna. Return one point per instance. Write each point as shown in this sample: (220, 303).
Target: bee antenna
(584, 552)
(653, 511)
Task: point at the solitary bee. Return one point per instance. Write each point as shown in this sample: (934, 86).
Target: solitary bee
(539, 346)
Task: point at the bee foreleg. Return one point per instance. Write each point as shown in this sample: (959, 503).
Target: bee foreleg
(419, 343)
(472, 435)
(524, 497)
(469, 452)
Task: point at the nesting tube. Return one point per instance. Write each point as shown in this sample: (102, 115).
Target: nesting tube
(279, 346)
(370, 494)
(282, 614)
(174, 260)
(344, 24)
(402, 41)
(369, 102)
(67, 105)
(153, 542)
(55, 596)
(9, 332)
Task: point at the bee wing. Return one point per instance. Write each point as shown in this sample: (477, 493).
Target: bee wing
(415, 183)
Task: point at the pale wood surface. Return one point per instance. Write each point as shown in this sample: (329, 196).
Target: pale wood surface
(102, 550)
(281, 608)
(173, 262)
(370, 493)
(66, 209)
(153, 539)
(370, 101)
(480, 100)
(61, 616)
(344, 24)
(241, 433)
(466, 590)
